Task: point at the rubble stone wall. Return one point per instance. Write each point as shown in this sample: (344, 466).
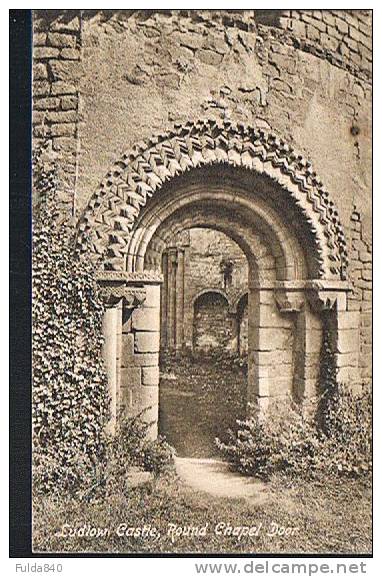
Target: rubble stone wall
(104, 80)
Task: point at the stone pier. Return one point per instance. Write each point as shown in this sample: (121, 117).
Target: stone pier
(131, 343)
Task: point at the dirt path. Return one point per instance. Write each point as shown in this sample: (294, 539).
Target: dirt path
(214, 477)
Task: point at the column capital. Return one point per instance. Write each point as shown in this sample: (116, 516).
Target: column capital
(138, 277)
(132, 297)
(127, 286)
(325, 295)
(289, 300)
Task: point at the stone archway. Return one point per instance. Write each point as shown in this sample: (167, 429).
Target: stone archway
(252, 186)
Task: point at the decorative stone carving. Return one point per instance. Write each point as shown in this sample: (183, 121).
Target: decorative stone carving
(289, 301)
(145, 276)
(131, 296)
(325, 295)
(115, 206)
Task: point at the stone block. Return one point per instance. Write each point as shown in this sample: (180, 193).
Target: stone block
(65, 70)
(348, 319)
(49, 103)
(61, 116)
(127, 345)
(346, 359)
(348, 375)
(152, 296)
(41, 88)
(268, 358)
(342, 26)
(329, 42)
(40, 71)
(352, 44)
(328, 17)
(61, 23)
(270, 317)
(135, 399)
(39, 131)
(69, 102)
(209, 57)
(60, 40)
(39, 39)
(37, 117)
(45, 52)
(64, 143)
(299, 28)
(355, 34)
(313, 341)
(347, 341)
(146, 342)
(70, 54)
(62, 87)
(312, 32)
(263, 386)
(367, 274)
(319, 24)
(192, 41)
(150, 376)
(272, 339)
(366, 319)
(63, 129)
(131, 377)
(145, 319)
(146, 359)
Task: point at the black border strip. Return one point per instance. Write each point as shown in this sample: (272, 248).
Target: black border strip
(20, 53)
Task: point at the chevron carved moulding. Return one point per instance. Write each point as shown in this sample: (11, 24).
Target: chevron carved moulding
(113, 209)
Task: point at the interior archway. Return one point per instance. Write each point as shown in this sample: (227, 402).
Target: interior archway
(203, 380)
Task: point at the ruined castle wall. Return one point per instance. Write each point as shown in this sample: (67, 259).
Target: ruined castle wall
(212, 325)
(207, 251)
(210, 319)
(105, 80)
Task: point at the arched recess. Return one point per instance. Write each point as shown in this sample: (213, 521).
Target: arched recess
(255, 188)
(207, 290)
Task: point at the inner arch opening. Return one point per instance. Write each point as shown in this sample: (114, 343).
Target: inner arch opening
(203, 362)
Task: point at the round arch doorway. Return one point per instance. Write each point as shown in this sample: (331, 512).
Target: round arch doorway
(253, 187)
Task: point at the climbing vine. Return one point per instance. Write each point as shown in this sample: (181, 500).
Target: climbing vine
(69, 394)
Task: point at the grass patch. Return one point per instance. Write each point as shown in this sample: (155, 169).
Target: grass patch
(330, 517)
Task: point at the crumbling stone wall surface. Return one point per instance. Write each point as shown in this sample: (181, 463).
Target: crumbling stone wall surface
(214, 273)
(209, 253)
(212, 326)
(360, 299)
(131, 74)
(106, 80)
(56, 73)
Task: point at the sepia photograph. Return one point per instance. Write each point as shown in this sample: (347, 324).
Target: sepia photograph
(202, 282)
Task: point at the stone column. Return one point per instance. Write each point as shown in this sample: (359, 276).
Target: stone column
(179, 297)
(109, 352)
(188, 311)
(140, 350)
(171, 299)
(330, 298)
(270, 348)
(308, 343)
(164, 302)
(131, 345)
